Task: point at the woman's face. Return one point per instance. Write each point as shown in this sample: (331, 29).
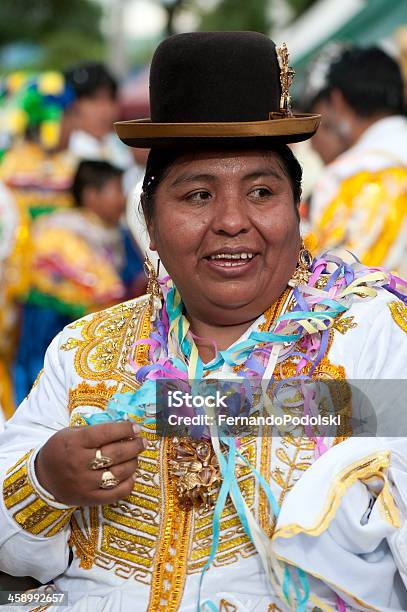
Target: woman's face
(226, 229)
(328, 142)
(96, 114)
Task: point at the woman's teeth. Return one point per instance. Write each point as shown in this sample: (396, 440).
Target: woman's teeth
(239, 258)
(232, 256)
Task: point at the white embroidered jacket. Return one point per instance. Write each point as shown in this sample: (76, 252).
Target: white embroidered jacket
(145, 553)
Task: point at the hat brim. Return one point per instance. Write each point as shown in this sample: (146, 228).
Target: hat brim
(144, 133)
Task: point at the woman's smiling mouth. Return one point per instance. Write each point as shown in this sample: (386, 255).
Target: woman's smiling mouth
(228, 261)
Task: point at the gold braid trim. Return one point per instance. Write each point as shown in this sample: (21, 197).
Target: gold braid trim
(373, 465)
(399, 313)
(226, 606)
(85, 547)
(85, 394)
(141, 353)
(171, 557)
(30, 510)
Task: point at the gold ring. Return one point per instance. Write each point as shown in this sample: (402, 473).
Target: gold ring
(109, 480)
(100, 461)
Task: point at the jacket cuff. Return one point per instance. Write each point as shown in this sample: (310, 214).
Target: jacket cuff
(31, 506)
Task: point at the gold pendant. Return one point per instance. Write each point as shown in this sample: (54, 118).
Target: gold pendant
(195, 466)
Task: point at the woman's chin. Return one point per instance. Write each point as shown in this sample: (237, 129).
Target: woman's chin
(229, 301)
(250, 299)
(234, 299)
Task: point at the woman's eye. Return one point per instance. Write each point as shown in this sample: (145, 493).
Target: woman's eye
(260, 192)
(198, 196)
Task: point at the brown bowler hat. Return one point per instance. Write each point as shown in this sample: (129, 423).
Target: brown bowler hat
(229, 86)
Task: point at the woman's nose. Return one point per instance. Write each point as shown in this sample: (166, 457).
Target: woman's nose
(231, 215)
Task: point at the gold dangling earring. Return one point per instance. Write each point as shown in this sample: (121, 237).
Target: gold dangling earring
(302, 272)
(153, 288)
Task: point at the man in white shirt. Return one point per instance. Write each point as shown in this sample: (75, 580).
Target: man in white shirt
(360, 201)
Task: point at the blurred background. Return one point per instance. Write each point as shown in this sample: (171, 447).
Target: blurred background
(53, 34)
(72, 239)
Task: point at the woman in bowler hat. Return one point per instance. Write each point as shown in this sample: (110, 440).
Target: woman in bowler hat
(122, 514)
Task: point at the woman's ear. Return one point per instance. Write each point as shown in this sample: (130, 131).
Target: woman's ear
(151, 234)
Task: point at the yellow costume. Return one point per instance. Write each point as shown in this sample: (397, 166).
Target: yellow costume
(14, 248)
(360, 202)
(77, 265)
(39, 180)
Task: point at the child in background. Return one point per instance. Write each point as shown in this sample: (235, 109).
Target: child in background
(83, 260)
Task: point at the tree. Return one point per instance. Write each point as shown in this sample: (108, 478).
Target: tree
(172, 7)
(238, 15)
(65, 31)
(253, 15)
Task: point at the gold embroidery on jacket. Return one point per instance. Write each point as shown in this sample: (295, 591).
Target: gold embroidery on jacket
(122, 539)
(31, 511)
(16, 488)
(344, 324)
(37, 380)
(172, 553)
(90, 395)
(287, 475)
(131, 527)
(85, 540)
(334, 376)
(107, 338)
(295, 453)
(399, 313)
(372, 466)
(265, 470)
(226, 606)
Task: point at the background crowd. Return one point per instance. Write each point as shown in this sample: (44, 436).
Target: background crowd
(71, 238)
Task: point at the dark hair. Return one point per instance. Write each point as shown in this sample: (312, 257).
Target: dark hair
(369, 80)
(160, 161)
(92, 173)
(87, 78)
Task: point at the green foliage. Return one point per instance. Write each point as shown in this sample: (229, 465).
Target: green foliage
(141, 51)
(238, 15)
(67, 30)
(67, 47)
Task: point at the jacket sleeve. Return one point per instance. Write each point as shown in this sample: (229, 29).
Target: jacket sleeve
(34, 527)
(345, 521)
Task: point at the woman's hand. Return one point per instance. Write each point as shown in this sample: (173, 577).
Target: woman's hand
(62, 465)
